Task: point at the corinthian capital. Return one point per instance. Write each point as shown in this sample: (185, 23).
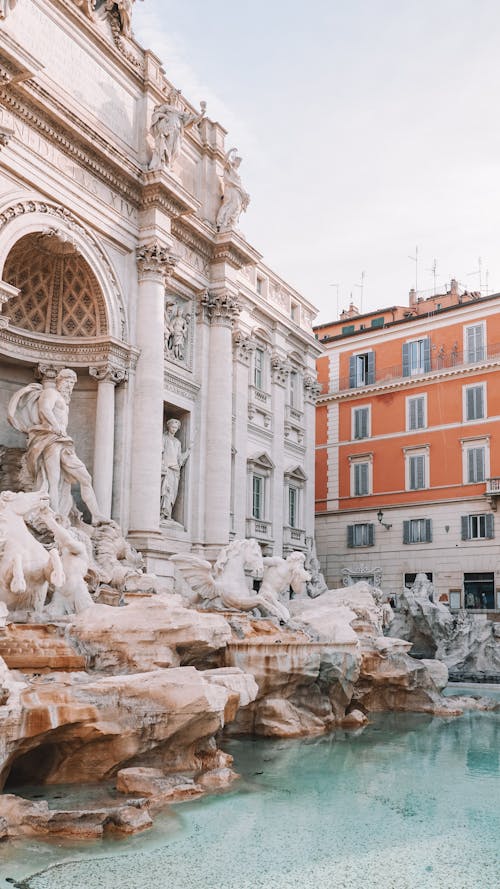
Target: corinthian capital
(220, 307)
(155, 260)
(108, 373)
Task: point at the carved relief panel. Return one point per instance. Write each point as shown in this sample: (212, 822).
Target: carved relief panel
(179, 331)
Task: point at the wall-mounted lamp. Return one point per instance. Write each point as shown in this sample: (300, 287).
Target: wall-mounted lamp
(380, 516)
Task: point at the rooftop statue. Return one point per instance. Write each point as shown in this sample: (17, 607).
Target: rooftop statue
(225, 585)
(168, 125)
(234, 197)
(124, 9)
(51, 463)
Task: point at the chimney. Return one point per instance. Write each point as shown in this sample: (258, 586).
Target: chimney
(454, 287)
(413, 296)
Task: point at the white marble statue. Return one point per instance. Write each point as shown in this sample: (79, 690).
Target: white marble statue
(176, 331)
(87, 6)
(117, 561)
(281, 574)
(71, 596)
(168, 125)
(173, 459)
(26, 567)
(124, 9)
(234, 197)
(51, 463)
(225, 584)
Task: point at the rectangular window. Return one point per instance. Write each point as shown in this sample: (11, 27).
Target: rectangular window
(416, 472)
(294, 312)
(258, 497)
(409, 579)
(476, 465)
(417, 531)
(478, 527)
(293, 389)
(361, 422)
(377, 322)
(479, 590)
(362, 370)
(260, 285)
(416, 412)
(361, 479)
(293, 503)
(258, 369)
(474, 402)
(360, 535)
(416, 357)
(474, 343)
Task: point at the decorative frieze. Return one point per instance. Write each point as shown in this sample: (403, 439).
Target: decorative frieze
(221, 307)
(177, 330)
(5, 136)
(155, 260)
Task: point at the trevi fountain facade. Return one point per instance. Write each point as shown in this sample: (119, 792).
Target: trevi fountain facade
(159, 590)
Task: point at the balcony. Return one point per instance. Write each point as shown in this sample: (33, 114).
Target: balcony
(440, 361)
(492, 491)
(259, 529)
(294, 538)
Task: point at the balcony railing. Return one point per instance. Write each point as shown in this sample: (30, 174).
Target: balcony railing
(493, 487)
(439, 360)
(294, 537)
(259, 529)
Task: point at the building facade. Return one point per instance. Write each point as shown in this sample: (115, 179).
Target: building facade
(408, 447)
(121, 257)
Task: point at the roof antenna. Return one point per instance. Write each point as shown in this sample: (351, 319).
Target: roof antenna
(361, 289)
(415, 260)
(433, 269)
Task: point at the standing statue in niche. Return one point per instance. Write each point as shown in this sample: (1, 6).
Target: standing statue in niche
(234, 197)
(168, 125)
(51, 463)
(173, 459)
(176, 331)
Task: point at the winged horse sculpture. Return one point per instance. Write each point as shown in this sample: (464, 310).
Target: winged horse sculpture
(226, 580)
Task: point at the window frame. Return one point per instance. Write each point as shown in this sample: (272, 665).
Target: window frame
(467, 327)
(486, 519)
(259, 514)
(411, 398)
(358, 460)
(410, 454)
(259, 378)
(367, 534)
(482, 443)
(354, 411)
(423, 524)
(425, 364)
(465, 390)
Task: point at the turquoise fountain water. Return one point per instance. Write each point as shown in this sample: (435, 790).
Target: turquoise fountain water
(411, 802)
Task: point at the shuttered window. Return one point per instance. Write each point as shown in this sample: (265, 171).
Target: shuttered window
(474, 343)
(417, 531)
(361, 422)
(476, 465)
(474, 402)
(416, 472)
(478, 527)
(258, 496)
(361, 370)
(416, 412)
(416, 357)
(361, 479)
(361, 534)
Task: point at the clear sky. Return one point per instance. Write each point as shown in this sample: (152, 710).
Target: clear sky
(366, 127)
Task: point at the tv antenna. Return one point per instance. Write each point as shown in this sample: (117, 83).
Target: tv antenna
(361, 289)
(433, 269)
(479, 271)
(415, 260)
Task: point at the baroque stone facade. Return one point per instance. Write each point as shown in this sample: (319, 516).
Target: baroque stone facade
(121, 257)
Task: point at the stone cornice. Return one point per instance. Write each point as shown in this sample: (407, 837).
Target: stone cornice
(232, 248)
(200, 241)
(43, 349)
(407, 382)
(159, 189)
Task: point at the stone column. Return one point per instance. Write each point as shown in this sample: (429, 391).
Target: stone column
(311, 391)
(104, 437)
(155, 265)
(243, 347)
(279, 370)
(220, 309)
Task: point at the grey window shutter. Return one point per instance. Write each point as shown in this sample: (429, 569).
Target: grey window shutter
(427, 355)
(428, 530)
(470, 404)
(465, 527)
(413, 413)
(479, 402)
(420, 472)
(364, 422)
(406, 531)
(371, 534)
(406, 359)
(471, 464)
(471, 342)
(420, 413)
(352, 372)
(370, 375)
(490, 526)
(350, 536)
(480, 464)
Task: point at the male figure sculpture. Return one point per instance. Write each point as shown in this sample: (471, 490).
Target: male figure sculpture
(173, 460)
(51, 462)
(168, 125)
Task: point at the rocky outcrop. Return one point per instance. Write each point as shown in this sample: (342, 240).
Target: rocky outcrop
(468, 644)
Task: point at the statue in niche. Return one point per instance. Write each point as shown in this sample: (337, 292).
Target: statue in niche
(234, 197)
(176, 331)
(173, 459)
(168, 125)
(51, 463)
(124, 9)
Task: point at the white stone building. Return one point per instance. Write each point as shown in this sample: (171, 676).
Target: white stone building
(120, 258)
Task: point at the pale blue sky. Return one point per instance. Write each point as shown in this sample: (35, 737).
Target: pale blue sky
(366, 127)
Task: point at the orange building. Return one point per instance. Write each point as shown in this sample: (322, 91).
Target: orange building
(408, 447)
